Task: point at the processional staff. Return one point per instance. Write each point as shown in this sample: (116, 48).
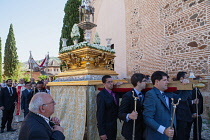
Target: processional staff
(134, 121)
(172, 119)
(196, 96)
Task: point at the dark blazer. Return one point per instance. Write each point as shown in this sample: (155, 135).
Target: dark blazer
(156, 113)
(183, 112)
(200, 104)
(6, 100)
(107, 112)
(35, 127)
(25, 100)
(127, 106)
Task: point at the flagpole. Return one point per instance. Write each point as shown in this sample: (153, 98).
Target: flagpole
(31, 70)
(30, 65)
(47, 66)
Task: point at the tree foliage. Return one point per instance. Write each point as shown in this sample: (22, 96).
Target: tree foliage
(71, 17)
(43, 77)
(19, 73)
(10, 55)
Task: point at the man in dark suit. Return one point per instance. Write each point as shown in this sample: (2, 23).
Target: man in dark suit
(183, 112)
(26, 98)
(126, 109)
(158, 109)
(8, 100)
(36, 125)
(107, 110)
(39, 88)
(194, 115)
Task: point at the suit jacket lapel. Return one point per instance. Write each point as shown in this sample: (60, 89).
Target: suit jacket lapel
(110, 96)
(41, 120)
(8, 92)
(161, 98)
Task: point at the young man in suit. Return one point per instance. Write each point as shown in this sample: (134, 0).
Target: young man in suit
(158, 109)
(107, 110)
(194, 114)
(36, 125)
(183, 112)
(8, 100)
(26, 98)
(126, 109)
(39, 87)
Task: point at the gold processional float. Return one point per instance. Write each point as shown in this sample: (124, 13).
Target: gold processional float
(84, 64)
(74, 90)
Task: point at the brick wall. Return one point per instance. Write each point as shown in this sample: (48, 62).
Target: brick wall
(169, 35)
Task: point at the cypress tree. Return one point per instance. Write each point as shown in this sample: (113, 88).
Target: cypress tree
(0, 62)
(10, 55)
(71, 17)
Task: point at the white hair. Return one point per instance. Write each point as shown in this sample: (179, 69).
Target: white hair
(36, 102)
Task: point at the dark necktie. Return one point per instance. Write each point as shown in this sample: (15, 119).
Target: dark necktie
(115, 100)
(10, 91)
(164, 96)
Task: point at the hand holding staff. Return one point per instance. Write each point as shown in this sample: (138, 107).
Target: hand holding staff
(172, 119)
(134, 121)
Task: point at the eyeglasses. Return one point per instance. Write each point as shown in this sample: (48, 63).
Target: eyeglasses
(109, 82)
(144, 80)
(52, 102)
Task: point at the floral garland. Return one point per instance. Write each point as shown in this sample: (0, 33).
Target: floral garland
(86, 44)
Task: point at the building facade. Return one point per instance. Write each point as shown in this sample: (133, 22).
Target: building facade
(167, 35)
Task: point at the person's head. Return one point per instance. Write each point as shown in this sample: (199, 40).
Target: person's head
(33, 85)
(48, 87)
(21, 81)
(107, 82)
(160, 80)
(40, 85)
(28, 85)
(9, 82)
(181, 75)
(138, 80)
(43, 104)
(4, 81)
(32, 80)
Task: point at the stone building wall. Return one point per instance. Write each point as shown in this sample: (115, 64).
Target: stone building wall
(169, 35)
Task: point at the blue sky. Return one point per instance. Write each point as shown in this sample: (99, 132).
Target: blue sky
(37, 26)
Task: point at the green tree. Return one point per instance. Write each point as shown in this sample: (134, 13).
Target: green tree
(19, 73)
(0, 62)
(43, 77)
(10, 55)
(71, 17)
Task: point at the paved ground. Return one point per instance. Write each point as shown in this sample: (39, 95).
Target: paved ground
(14, 135)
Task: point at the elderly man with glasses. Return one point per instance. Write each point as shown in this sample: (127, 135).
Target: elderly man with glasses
(37, 125)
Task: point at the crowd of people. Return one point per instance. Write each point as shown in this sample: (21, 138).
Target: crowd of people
(150, 118)
(145, 115)
(15, 98)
